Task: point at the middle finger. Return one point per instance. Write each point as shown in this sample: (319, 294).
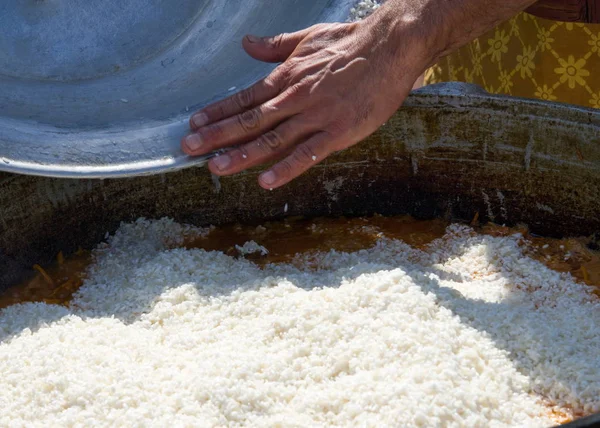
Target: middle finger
(234, 130)
(270, 146)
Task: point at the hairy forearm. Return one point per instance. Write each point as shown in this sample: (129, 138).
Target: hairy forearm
(435, 28)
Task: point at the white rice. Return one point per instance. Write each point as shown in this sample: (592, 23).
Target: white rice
(251, 247)
(468, 333)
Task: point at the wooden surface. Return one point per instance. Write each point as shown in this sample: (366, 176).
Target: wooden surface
(567, 10)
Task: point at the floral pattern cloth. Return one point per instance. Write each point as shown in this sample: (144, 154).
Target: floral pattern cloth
(530, 57)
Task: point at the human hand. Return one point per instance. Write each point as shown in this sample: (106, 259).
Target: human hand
(336, 85)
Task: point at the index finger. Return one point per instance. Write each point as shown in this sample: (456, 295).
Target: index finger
(239, 102)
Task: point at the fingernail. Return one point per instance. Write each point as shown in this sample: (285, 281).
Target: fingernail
(200, 120)
(193, 142)
(268, 177)
(253, 39)
(221, 162)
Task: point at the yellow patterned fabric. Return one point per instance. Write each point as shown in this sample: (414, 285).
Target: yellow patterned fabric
(530, 57)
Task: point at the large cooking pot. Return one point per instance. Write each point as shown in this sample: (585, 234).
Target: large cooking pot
(452, 150)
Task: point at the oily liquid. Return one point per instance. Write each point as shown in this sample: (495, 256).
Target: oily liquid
(284, 239)
(53, 284)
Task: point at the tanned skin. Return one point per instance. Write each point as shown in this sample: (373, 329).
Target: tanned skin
(336, 84)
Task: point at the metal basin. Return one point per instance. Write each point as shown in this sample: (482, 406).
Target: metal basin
(104, 88)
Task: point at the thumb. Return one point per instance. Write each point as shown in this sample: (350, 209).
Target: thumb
(273, 49)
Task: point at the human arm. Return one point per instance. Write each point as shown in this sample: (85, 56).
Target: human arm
(336, 84)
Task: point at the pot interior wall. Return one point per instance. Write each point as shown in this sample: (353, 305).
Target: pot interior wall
(448, 153)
